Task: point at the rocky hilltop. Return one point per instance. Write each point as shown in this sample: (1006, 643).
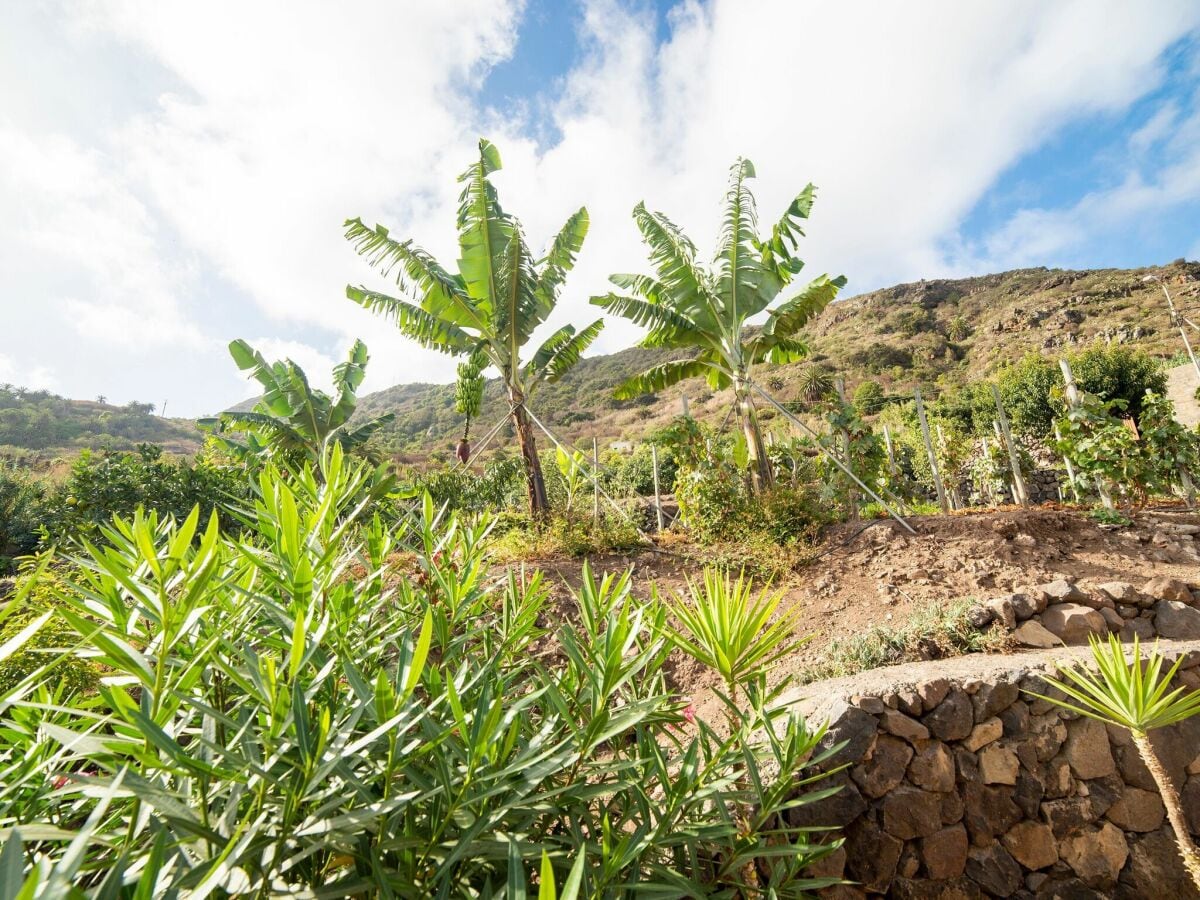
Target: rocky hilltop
(936, 333)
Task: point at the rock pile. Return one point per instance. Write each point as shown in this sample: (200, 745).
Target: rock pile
(1062, 612)
(959, 787)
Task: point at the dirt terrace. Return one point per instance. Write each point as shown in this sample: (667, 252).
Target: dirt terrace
(876, 574)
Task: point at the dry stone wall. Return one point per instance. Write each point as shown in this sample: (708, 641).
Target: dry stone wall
(1062, 612)
(961, 784)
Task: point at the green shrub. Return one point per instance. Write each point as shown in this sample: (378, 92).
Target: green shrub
(308, 709)
(499, 485)
(714, 502)
(717, 508)
(879, 357)
(633, 475)
(517, 538)
(1106, 453)
(1031, 390)
(868, 397)
(71, 674)
(22, 510)
(102, 485)
(932, 632)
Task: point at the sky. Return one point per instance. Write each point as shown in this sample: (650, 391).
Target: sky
(176, 175)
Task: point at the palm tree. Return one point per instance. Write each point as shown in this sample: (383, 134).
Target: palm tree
(292, 421)
(468, 397)
(492, 305)
(706, 308)
(816, 383)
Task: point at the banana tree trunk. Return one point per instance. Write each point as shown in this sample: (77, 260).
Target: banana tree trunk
(761, 475)
(539, 504)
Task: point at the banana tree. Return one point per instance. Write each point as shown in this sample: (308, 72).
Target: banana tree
(491, 305)
(688, 305)
(292, 421)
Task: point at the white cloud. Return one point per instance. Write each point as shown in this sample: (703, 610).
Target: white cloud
(1035, 235)
(1157, 127)
(71, 210)
(217, 211)
(317, 366)
(902, 114)
(308, 115)
(39, 378)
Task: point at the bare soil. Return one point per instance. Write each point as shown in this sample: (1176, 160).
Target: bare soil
(870, 574)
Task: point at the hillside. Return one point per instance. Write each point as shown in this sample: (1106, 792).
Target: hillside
(937, 334)
(41, 421)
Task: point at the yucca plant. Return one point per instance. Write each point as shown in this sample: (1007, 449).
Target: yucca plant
(1133, 693)
(727, 626)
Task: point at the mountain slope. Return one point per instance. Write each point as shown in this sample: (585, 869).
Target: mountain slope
(936, 334)
(39, 420)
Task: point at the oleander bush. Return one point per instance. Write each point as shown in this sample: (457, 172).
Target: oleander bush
(23, 497)
(329, 705)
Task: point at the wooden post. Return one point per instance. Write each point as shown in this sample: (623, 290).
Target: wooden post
(1189, 489)
(1069, 380)
(1070, 467)
(683, 404)
(851, 491)
(1177, 321)
(1012, 491)
(1073, 400)
(987, 486)
(1022, 495)
(955, 499)
(891, 453)
(596, 481)
(933, 464)
(658, 513)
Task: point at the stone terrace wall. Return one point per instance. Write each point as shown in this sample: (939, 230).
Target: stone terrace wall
(1062, 612)
(961, 785)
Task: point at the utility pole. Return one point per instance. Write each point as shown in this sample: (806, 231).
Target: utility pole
(1176, 320)
(164, 409)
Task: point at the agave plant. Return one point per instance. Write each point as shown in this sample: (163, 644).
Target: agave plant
(292, 421)
(687, 305)
(1134, 693)
(492, 305)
